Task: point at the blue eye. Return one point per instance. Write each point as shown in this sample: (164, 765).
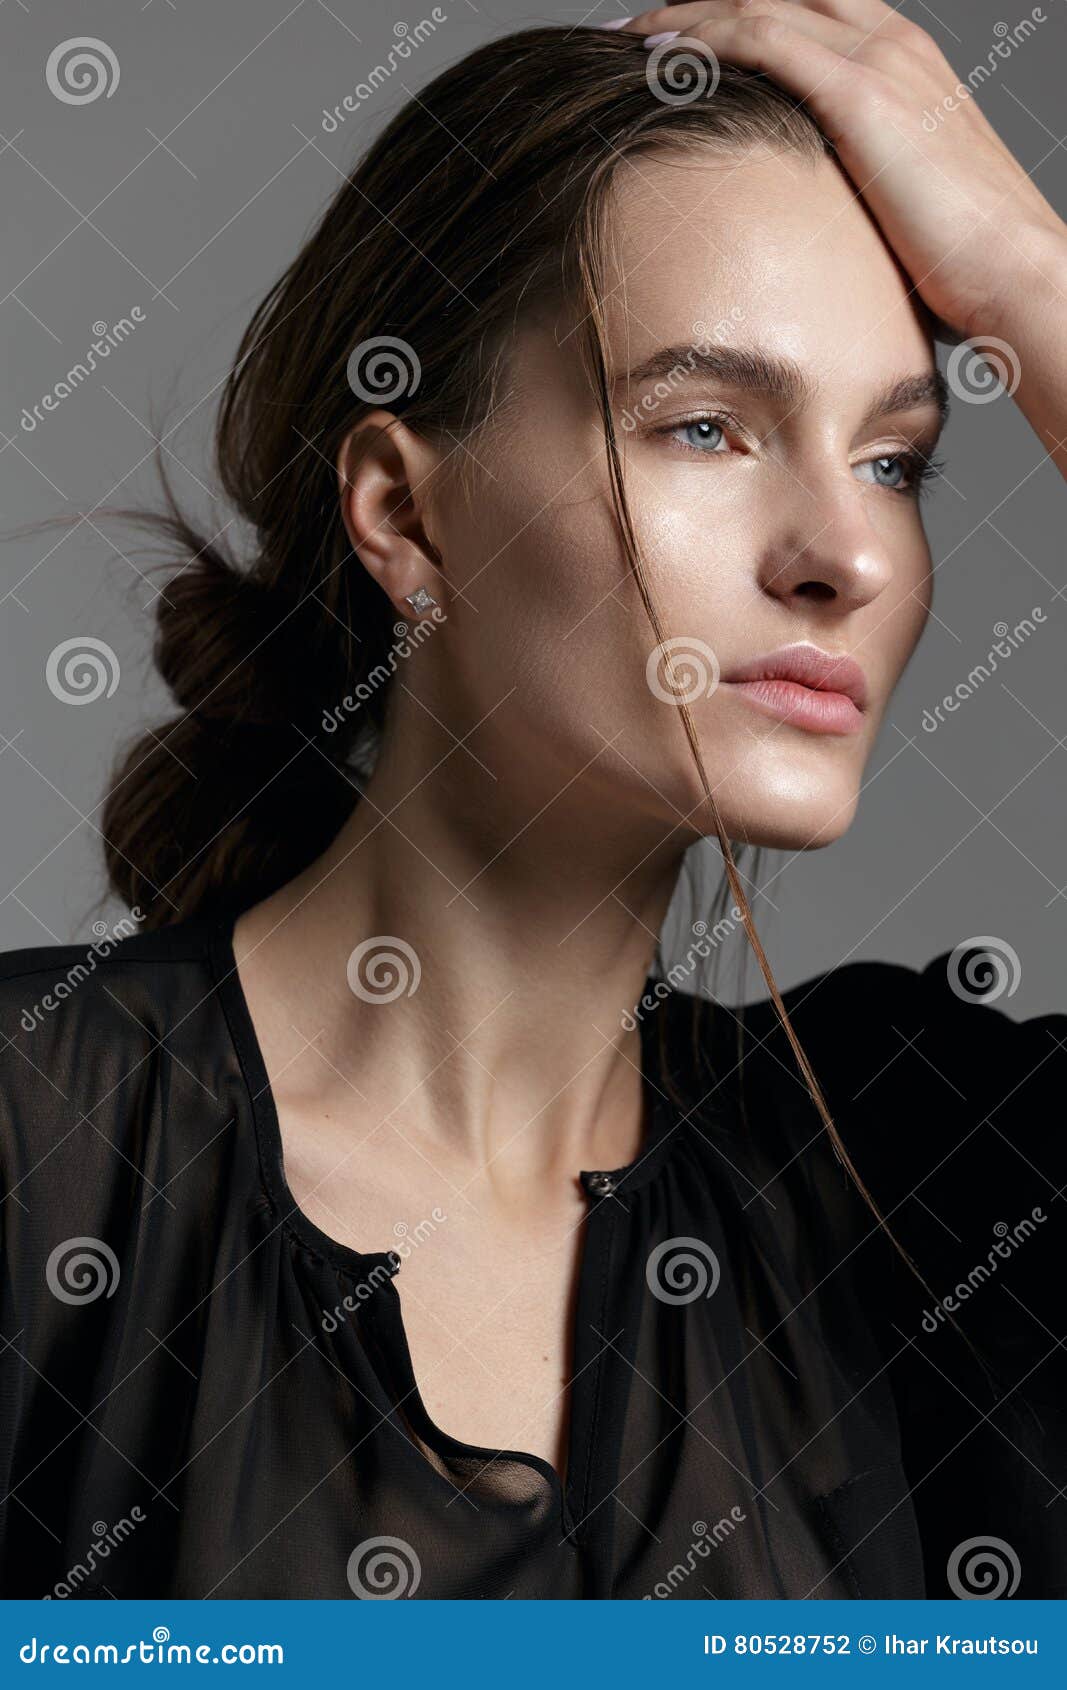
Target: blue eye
(703, 434)
(889, 472)
(900, 472)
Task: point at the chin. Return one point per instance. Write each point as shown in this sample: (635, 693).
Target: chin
(781, 825)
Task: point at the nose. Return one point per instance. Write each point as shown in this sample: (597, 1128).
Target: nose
(829, 556)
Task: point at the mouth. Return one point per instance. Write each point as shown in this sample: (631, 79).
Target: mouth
(806, 687)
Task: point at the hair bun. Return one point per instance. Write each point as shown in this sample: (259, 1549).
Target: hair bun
(219, 643)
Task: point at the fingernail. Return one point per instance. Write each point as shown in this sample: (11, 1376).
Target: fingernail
(616, 23)
(664, 35)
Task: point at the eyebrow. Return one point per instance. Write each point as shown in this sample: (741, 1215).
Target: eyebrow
(781, 379)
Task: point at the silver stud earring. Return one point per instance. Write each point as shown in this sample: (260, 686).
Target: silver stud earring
(421, 600)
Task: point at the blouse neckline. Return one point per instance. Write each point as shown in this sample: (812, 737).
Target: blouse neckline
(662, 1122)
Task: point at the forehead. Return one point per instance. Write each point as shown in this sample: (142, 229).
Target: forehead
(770, 249)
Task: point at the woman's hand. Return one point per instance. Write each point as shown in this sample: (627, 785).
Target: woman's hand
(985, 250)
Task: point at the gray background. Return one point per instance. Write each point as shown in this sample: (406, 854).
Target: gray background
(186, 192)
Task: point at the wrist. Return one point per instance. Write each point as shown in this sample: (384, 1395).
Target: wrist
(1032, 300)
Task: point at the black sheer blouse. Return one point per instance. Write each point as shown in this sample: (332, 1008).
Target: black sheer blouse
(202, 1394)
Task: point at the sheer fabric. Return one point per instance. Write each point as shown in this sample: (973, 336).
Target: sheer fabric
(202, 1394)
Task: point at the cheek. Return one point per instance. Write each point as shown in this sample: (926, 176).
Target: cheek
(915, 591)
(544, 610)
(551, 614)
(700, 565)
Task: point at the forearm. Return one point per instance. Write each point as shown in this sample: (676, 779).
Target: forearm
(1030, 319)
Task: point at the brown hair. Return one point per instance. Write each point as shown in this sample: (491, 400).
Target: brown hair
(487, 193)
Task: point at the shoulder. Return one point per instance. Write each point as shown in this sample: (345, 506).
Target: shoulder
(115, 985)
(953, 1113)
(929, 1067)
(87, 1031)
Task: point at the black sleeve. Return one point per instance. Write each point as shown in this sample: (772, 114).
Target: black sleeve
(953, 1113)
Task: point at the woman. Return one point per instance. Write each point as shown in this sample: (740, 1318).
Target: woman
(377, 1224)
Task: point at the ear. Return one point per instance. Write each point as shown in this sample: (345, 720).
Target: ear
(385, 472)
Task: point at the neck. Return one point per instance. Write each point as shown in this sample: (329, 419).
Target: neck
(530, 932)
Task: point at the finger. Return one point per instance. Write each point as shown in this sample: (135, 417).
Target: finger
(866, 15)
(805, 67)
(841, 37)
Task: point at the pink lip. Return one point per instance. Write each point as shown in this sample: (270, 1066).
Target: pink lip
(806, 687)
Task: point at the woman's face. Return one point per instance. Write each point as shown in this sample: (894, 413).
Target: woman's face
(773, 495)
